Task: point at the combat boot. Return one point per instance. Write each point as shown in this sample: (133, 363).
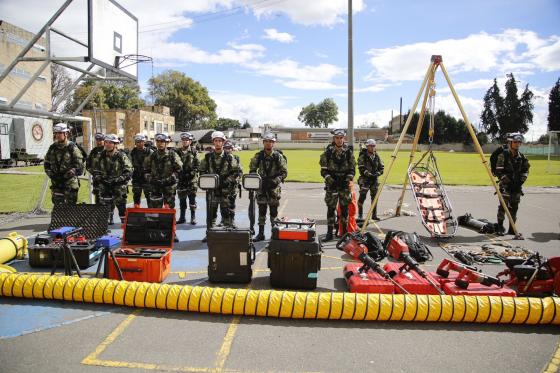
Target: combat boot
(374, 215)
(360, 212)
(182, 217)
(260, 236)
(329, 235)
(500, 230)
(193, 217)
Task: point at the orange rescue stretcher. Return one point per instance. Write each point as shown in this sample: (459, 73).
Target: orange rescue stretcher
(431, 199)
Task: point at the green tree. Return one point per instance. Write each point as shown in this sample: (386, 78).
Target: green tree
(321, 115)
(554, 108)
(447, 129)
(223, 124)
(502, 115)
(108, 96)
(187, 99)
(246, 125)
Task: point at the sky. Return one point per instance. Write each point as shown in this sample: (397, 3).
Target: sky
(263, 60)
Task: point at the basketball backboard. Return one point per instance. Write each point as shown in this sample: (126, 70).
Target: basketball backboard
(112, 34)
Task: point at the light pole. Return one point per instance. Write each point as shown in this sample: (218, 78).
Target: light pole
(350, 79)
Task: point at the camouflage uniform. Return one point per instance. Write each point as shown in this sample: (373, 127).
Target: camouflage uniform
(162, 168)
(227, 167)
(273, 171)
(338, 167)
(113, 173)
(512, 172)
(63, 164)
(371, 167)
(188, 179)
(91, 164)
(139, 182)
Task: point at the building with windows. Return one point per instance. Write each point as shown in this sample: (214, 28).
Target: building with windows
(126, 123)
(20, 135)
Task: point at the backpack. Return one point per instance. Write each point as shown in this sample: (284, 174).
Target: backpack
(494, 158)
(417, 249)
(376, 250)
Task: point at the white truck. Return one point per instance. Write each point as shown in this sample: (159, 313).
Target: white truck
(24, 139)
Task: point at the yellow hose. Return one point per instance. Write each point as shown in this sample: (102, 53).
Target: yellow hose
(285, 304)
(12, 246)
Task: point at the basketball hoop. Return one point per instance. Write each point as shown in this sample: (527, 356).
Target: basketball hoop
(127, 60)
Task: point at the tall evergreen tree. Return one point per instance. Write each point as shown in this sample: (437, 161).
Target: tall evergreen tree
(554, 108)
(501, 116)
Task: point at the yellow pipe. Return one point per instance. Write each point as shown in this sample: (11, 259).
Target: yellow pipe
(285, 304)
(12, 246)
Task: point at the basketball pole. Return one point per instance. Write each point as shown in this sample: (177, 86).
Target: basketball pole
(396, 151)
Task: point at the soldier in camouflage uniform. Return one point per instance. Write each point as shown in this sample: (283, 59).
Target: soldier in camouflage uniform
(138, 155)
(92, 160)
(512, 170)
(188, 178)
(338, 168)
(63, 164)
(228, 149)
(113, 172)
(227, 168)
(271, 165)
(371, 167)
(162, 170)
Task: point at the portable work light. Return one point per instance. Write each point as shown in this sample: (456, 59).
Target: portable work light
(208, 181)
(252, 181)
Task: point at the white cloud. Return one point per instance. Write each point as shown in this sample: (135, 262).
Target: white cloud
(482, 52)
(258, 110)
(463, 86)
(290, 69)
(310, 85)
(316, 12)
(282, 37)
(184, 52)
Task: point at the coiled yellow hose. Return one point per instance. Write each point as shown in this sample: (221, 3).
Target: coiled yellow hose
(285, 304)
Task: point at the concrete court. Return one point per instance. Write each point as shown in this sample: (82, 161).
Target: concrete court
(54, 336)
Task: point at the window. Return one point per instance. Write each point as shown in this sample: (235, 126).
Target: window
(121, 127)
(151, 125)
(159, 126)
(165, 127)
(3, 129)
(145, 125)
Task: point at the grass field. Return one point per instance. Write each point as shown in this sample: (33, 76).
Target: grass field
(21, 192)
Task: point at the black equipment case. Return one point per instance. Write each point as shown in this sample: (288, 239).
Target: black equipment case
(294, 264)
(94, 221)
(230, 255)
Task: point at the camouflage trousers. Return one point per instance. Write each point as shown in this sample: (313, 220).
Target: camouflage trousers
(62, 194)
(160, 195)
(220, 199)
(512, 202)
(114, 196)
(184, 191)
(267, 199)
(137, 189)
(334, 197)
(366, 187)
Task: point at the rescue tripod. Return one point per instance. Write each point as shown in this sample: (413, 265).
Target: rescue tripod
(428, 88)
(64, 253)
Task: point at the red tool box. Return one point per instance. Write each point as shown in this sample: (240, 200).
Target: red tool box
(478, 289)
(411, 280)
(145, 253)
(293, 229)
(366, 282)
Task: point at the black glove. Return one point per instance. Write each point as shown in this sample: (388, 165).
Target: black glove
(156, 182)
(148, 177)
(97, 178)
(329, 180)
(275, 182)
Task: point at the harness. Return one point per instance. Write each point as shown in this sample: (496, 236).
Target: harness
(60, 155)
(119, 156)
(225, 158)
(262, 161)
(339, 161)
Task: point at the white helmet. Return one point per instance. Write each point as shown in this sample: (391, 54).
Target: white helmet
(112, 138)
(370, 142)
(162, 137)
(139, 137)
(60, 127)
(218, 135)
(269, 136)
